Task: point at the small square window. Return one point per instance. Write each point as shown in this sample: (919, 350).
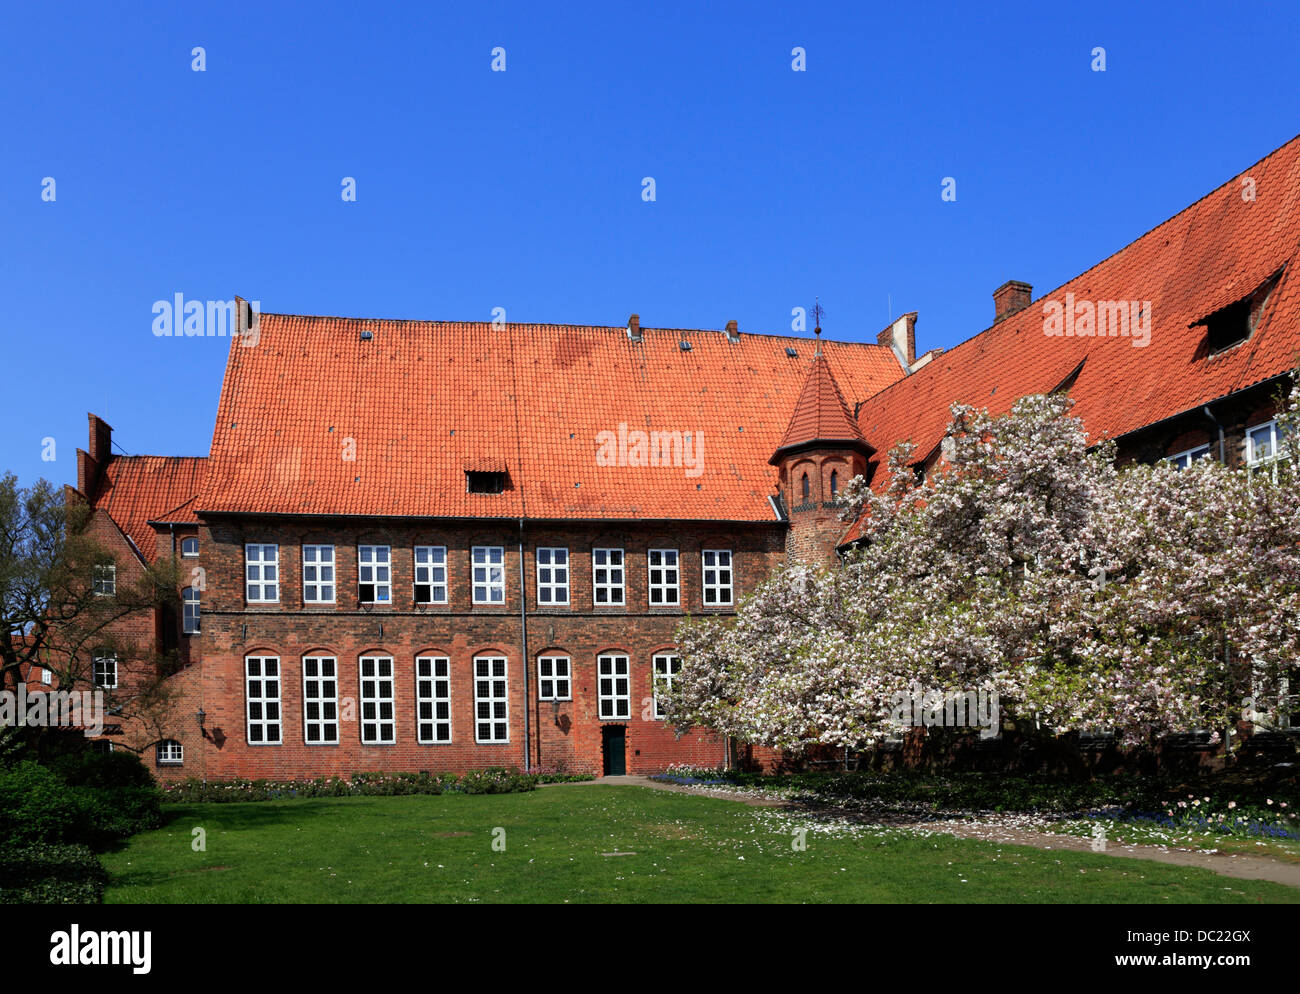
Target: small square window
(190, 547)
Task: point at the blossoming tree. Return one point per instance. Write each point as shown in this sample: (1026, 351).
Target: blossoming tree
(1086, 595)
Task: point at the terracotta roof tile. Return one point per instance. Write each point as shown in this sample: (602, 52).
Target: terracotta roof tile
(136, 490)
(820, 414)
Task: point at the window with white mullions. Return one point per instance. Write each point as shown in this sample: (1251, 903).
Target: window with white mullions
(665, 577)
(374, 574)
(491, 707)
(104, 580)
(613, 678)
(666, 668)
(717, 576)
(190, 548)
(190, 610)
(433, 699)
(431, 574)
(262, 699)
(552, 576)
(318, 574)
(170, 753)
(607, 576)
(554, 681)
(489, 573)
(104, 670)
(1182, 460)
(320, 700)
(261, 573)
(378, 721)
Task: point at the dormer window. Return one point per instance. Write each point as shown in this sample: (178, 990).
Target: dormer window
(477, 482)
(1231, 325)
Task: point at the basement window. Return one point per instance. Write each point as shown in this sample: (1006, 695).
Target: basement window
(484, 483)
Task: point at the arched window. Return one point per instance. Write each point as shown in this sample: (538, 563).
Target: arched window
(170, 753)
(806, 488)
(835, 483)
(190, 603)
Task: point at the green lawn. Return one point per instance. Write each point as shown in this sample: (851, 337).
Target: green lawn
(605, 844)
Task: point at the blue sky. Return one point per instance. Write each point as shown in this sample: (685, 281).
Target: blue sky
(523, 189)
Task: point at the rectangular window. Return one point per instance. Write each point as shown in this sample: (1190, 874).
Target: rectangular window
(1261, 443)
(190, 548)
(104, 667)
(665, 586)
(552, 576)
(615, 695)
(666, 668)
(104, 580)
(1182, 460)
(47, 677)
(262, 573)
(607, 576)
(491, 708)
(262, 695)
(320, 700)
(375, 574)
(433, 699)
(378, 724)
(554, 682)
(489, 574)
(431, 574)
(190, 608)
(717, 576)
(318, 574)
(171, 753)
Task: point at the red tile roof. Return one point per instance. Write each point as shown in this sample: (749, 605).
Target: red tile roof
(422, 402)
(820, 414)
(1217, 251)
(136, 490)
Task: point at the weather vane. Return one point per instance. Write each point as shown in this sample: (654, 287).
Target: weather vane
(817, 322)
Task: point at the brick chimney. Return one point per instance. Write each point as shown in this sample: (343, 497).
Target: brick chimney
(901, 337)
(90, 465)
(733, 332)
(634, 327)
(1010, 297)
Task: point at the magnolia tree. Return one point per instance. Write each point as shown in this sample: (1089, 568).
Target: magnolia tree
(1085, 595)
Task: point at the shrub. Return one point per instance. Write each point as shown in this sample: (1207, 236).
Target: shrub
(50, 873)
(496, 780)
(106, 769)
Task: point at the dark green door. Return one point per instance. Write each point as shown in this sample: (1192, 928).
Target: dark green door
(615, 748)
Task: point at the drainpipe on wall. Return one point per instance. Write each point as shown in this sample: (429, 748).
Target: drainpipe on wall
(523, 639)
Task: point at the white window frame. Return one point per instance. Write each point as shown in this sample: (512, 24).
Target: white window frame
(1184, 459)
(664, 669)
(552, 563)
(261, 572)
(104, 580)
(323, 673)
(431, 689)
(613, 668)
(1274, 436)
(663, 586)
(191, 597)
(171, 753)
(493, 690)
(557, 671)
(47, 677)
(97, 666)
(377, 573)
(601, 562)
(318, 583)
(485, 561)
(186, 543)
(431, 573)
(717, 586)
(263, 700)
(381, 693)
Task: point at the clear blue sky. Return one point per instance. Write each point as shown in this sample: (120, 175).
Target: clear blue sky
(522, 189)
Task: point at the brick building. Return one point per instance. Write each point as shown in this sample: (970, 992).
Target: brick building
(438, 546)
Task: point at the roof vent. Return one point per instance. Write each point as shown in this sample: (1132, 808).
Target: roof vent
(792, 352)
(684, 345)
(733, 333)
(367, 334)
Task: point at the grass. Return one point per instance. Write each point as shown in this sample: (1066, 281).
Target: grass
(606, 844)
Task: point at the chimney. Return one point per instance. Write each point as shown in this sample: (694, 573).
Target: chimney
(733, 333)
(91, 464)
(901, 337)
(634, 327)
(1010, 297)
